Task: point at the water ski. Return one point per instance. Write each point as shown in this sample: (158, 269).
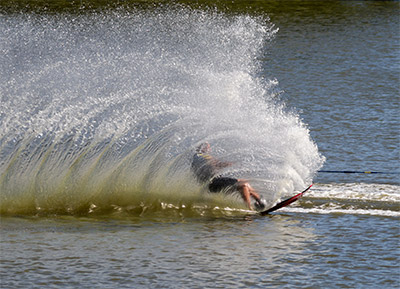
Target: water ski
(285, 202)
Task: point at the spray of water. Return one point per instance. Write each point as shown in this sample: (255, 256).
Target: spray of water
(101, 111)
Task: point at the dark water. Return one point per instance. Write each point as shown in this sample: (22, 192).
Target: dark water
(99, 111)
(352, 104)
(283, 251)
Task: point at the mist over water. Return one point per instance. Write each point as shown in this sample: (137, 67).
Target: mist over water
(103, 110)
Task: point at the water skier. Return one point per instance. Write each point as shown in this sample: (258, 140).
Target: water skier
(206, 167)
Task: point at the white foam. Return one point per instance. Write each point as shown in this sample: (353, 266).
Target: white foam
(372, 212)
(350, 198)
(356, 191)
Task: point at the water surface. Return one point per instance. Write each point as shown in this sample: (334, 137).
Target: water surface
(101, 108)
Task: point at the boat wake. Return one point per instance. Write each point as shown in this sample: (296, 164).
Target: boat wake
(350, 198)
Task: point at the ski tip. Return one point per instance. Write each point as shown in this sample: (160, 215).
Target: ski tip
(285, 202)
(309, 187)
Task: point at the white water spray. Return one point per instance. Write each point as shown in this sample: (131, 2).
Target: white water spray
(104, 109)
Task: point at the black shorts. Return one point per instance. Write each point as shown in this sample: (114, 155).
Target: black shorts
(222, 183)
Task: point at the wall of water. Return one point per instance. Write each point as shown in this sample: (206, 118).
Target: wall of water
(102, 110)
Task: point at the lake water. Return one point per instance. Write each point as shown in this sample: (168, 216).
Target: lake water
(101, 108)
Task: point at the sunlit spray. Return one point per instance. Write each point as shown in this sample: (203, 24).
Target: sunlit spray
(102, 111)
